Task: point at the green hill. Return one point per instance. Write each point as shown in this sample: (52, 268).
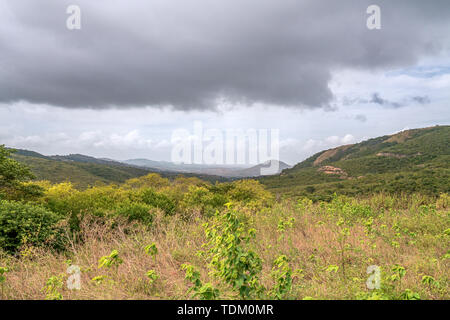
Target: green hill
(81, 174)
(410, 161)
(84, 171)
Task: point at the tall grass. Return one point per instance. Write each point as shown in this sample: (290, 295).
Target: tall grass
(327, 248)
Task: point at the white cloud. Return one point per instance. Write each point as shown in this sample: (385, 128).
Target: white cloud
(330, 142)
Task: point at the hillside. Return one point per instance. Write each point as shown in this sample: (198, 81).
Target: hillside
(81, 174)
(410, 161)
(84, 171)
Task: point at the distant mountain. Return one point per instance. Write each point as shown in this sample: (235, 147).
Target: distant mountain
(258, 170)
(409, 161)
(86, 159)
(230, 171)
(28, 153)
(160, 165)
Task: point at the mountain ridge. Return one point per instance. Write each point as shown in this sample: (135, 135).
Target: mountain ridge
(410, 160)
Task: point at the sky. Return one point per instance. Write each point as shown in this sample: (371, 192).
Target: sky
(136, 71)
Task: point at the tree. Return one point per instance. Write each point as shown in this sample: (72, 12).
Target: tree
(13, 177)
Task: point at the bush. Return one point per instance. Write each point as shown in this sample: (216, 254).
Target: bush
(250, 193)
(201, 200)
(152, 180)
(158, 200)
(64, 199)
(26, 224)
(136, 212)
(58, 198)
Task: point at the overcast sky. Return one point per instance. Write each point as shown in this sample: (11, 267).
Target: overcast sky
(138, 70)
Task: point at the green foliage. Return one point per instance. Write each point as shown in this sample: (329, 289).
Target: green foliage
(158, 200)
(283, 225)
(282, 274)
(201, 291)
(429, 281)
(398, 273)
(410, 295)
(99, 279)
(151, 250)
(229, 254)
(27, 224)
(203, 200)
(251, 193)
(149, 181)
(52, 287)
(13, 176)
(136, 212)
(3, 270)
(152, 276)
(332, 268)
(111, 260)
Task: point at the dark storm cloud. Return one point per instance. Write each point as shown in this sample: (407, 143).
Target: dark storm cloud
(377, 99)
(421, 99)
(188, 54)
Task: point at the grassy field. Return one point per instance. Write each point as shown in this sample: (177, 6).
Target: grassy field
(152, 238)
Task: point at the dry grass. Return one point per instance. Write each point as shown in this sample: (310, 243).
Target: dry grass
(413, 238)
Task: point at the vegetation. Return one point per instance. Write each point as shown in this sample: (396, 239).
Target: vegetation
(83, 171)
(412, 161)
(151, 237)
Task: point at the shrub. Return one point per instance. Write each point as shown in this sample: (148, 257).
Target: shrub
(200, 199)
(151, 250)
(52, 287)
(111, 260)
(136, 212)
(58, 198)
(158, 200)
(152, 180)
(203, 291)
(23, 223)
(250, 193)
(231, 258)
(282, 274)
(152, 276)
